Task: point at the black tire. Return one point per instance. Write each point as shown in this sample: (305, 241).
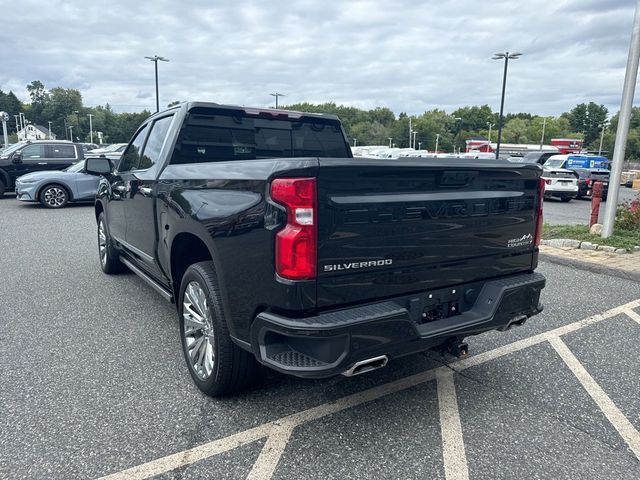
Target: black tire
(233, 368)
(2, 188)
(53, 196)
(110, 261)
(566, 199)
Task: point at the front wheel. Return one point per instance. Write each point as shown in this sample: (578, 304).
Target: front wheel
(109, 258)
(216, 364)
(54, 196)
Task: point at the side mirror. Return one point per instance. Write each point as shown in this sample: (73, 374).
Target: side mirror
(17, 157)
(98, 166)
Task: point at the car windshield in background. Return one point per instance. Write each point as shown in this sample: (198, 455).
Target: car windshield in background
(231, 136)
(112, 148)
(554, 163)
(12, 148)
(76, 167)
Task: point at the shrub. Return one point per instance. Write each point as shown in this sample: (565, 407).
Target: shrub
(628, 216)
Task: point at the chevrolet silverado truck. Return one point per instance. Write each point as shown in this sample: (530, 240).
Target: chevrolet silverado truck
(279, 248)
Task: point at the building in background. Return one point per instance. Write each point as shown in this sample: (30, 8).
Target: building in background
(568, 145)
(34, 132)
(560, 145)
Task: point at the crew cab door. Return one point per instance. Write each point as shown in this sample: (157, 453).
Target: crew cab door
(119, 184)
(141, 235)
(33, 159)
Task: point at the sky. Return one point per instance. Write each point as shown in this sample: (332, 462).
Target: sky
(410, 56)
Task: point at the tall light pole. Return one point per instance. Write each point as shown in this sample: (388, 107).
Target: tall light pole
(71, 132)
(277, 95)
(437, 140)
(355, 142)
(506, 56)
(419, 145)
(604, 127)
(624, 118)
(390, 138)
(90, 127)
(458, 129)
(544, 125)
(410, 132)
(490, 125)
(155, 59)
(415, 132)
(49, 122)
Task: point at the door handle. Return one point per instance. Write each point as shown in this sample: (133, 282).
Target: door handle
(146, 191)
(42, 163)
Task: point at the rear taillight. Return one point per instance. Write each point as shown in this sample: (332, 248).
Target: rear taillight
(539, 220)
(296, 243)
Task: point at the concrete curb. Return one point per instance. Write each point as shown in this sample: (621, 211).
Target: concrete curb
(590, 267)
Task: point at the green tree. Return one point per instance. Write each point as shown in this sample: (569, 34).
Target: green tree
(517, 130)
(587, 118)
(369, 133)
(61, 106)
(13, 106)
(39, 100)
(475, 118)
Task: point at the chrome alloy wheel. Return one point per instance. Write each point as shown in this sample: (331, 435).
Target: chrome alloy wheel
(102, 243)
(54, 196)
(199, 335)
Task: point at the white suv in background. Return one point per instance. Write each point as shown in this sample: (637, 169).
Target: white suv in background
(560, 183)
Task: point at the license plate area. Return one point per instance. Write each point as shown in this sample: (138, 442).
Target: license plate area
(448, 302)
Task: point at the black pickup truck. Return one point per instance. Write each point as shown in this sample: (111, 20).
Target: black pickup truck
(278, 246)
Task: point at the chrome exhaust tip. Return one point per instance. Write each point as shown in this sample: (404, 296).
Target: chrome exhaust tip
(364, 366)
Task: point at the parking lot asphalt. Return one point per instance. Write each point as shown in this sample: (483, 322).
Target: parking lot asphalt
(94, 384)
(578, 211)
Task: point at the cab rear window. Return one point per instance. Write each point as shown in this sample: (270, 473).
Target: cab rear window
(229, 136)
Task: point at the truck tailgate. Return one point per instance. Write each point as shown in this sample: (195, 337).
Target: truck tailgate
(390, 227)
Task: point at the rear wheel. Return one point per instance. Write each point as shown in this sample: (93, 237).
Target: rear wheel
(216, 364)
(54, 196)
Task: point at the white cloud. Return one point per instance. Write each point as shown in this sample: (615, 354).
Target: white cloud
(407, 55)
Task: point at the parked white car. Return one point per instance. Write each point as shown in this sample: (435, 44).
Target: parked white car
(560, 183)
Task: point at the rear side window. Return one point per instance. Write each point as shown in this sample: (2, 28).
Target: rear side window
(63, 151)
(236, 136)
(154, 143)
(131, 157)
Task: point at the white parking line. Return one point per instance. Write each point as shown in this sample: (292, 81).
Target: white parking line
(633, 315)
(271, 452)
(180, 459)
(610, 410)
(453, 453)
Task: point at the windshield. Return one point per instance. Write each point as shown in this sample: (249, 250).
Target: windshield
(12, 148)
(76, 167)
(554, 163)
